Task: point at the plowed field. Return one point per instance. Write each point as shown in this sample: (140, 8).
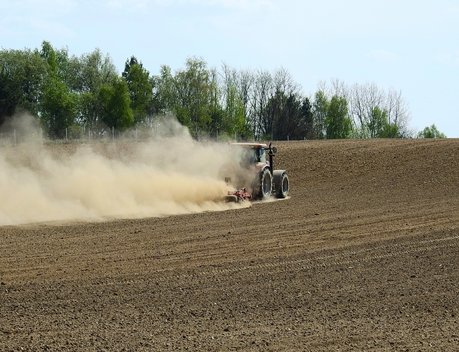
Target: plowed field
(363, 256)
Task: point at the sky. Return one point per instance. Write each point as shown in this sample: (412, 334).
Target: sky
(411, 46)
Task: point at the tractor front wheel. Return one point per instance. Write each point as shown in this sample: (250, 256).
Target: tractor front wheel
(264, 185)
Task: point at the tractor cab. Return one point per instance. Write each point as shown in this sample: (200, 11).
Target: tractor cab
(254, 154)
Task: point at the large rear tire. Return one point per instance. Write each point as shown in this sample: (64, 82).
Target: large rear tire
(281, 184)
(264, 185)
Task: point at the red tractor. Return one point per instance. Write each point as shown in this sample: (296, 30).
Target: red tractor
(259, 180)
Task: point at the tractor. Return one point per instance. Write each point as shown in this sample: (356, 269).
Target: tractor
(261, 181)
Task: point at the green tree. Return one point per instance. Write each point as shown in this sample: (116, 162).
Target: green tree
(391, 130)
(64, 67)
(59, 107)
(22, 74)
(237, 120)
(115, 104)
(49, 55)
(164, 92)
(307, 118)
(140, 88)
(290, 115)
(377, 122)
(10, 94)
(234, 120)
(338, 124)
(58, 104)
(431, 132)
(193, 88)
(319, 111)
(379, 126)
(275, 123)
(96, 70)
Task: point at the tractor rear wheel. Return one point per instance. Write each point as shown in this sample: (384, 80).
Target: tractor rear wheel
(281, 184)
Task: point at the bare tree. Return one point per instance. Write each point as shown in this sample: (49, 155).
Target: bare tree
(363, 99)
(284, 83)
(229, 77)
(397, 111)
(261, 93)
(245, 83)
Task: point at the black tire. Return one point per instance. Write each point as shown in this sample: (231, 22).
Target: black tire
(264, 185)
(281, 184)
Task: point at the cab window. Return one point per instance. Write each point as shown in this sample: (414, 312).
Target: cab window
(261, 155)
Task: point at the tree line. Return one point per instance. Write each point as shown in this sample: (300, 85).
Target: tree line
(72, 95)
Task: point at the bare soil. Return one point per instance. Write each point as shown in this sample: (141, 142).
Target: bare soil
(364, 256)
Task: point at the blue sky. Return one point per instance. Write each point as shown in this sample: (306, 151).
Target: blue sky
(406, 45)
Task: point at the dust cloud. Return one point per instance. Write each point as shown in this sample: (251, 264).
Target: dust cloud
(168, 174)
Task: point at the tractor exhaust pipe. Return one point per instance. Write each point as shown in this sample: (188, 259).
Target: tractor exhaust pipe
(271, 152)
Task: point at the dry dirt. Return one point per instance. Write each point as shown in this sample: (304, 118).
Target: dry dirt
(363, 256)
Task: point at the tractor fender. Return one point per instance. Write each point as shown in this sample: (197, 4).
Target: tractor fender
(281, 183)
